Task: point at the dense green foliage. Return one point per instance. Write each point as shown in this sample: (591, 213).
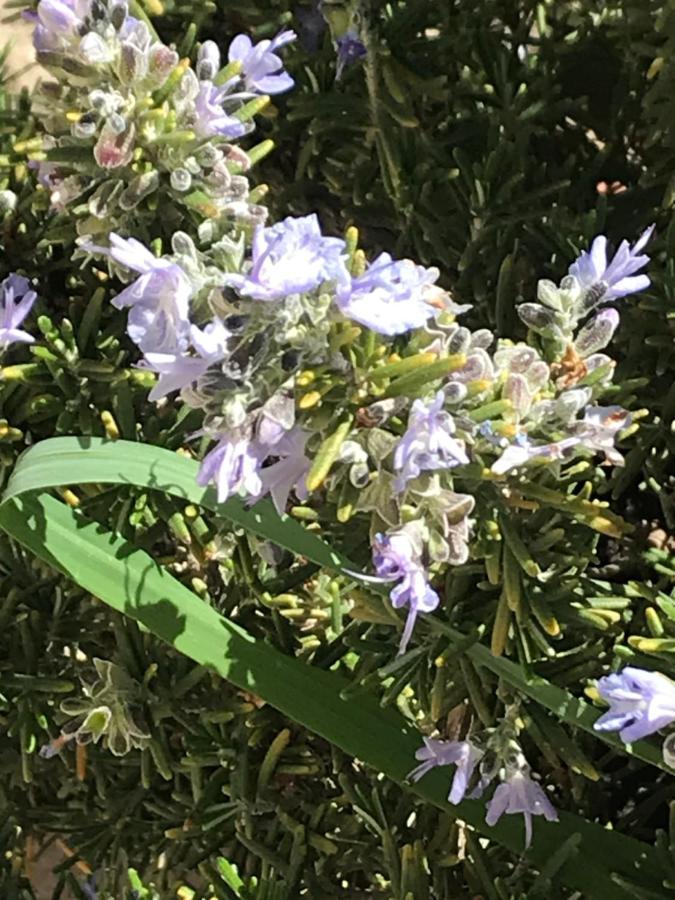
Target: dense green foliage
(492, 139)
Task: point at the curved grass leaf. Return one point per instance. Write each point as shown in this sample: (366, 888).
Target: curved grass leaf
(58, 462)
(130, 581)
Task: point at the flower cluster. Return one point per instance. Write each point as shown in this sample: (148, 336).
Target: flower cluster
(502, 759)
(314, 369)
(129, 124)
(242, 335)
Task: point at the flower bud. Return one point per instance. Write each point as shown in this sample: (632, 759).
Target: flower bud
(183, 245)
(133, 63)
(181, 180)
(208, 61)
(540, 319)
(597, 332)
(549, 294)
(8, 200)
(118, 14)
(114, 149)
(94, 50)
(162, 62)
(517, 391)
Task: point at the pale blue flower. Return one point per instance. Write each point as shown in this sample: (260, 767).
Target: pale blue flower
(210, 117)
(397, 556)
(179, 370)
(640, 703)
(609, 281)
(462, 754)
(16, 301)
(392, 296)
(158, 301)
(289, 473)
(58, 23)
(599, 428)
(520, 794)
(596, 432)
(522, 451)
(233, 466)
(291, 257)
(428, 442)
(261, 69)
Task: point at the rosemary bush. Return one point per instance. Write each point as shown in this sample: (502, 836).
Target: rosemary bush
(442, 440)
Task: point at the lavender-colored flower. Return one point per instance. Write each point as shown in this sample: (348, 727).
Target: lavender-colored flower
(640, 703)
(209, 116)
(289, 473)
(462, 754)
(159, 300)
(291, 257)
(16, 301)
(522, 451)
(599, 428)
(596, 432)
(261, 68)
(350, 49)
(428, 442)
(397, 557)
(233, 466)
(392, 296)
(58, 23)
(608, 281)
(520, 794)
(178, 370)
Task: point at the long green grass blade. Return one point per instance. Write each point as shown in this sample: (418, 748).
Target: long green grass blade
(130, 581)
(69, 461)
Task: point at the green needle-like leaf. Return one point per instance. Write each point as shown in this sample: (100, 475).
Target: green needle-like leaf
(130, 581)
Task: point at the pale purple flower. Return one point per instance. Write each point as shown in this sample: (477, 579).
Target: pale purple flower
(428, 442)
(640, 703)
(16, 301)
(58, 23)
(392, 296)
(158, 301)
(609, 281)
(520, 794)
(350, 49)
(522, 451)
(291, 257)
(397, 556)
(233, 466)
(596, 432)
(289, 473)
(176, 371)
(462, 754)
(179, 369)
(210, 117)
(599, 428)
(262, 70)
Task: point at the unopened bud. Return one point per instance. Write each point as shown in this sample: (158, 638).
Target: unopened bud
(181, 180)
(118, 14)
(8, 200)
(208, 61)
(597, 333)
